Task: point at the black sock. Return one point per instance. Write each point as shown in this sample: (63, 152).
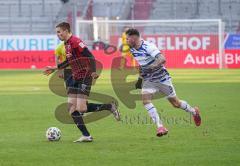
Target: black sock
(78, 120)
(92, 107)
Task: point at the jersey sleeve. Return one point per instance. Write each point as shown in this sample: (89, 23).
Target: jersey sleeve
(79, 44)
(153, 50)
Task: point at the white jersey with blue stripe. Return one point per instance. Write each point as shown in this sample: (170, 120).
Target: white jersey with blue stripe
(145, 55)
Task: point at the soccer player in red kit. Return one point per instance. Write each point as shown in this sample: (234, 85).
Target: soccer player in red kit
(83, 67)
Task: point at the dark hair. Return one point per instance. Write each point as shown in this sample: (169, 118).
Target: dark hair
(132, 31)
(64, 26)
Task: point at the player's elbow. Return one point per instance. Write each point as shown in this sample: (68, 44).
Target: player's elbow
(162, 61)
(87, 53)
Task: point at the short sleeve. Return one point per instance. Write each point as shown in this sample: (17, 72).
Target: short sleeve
(79, 44)
(153, 50)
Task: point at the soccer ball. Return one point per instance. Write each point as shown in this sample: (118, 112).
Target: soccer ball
(53, 134)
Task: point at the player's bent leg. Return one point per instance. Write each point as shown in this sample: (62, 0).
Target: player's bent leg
(84, 106)
(112, 107)
(185, 106)
(152, 111)
(82, 103)
(72, 102)
(174, 101)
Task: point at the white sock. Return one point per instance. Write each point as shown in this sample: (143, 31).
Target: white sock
(152, 111)
(185, 106)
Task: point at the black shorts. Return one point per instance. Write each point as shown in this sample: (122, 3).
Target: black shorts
(81, 86)
(67, 76)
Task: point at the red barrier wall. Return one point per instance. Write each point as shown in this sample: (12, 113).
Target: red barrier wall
(175, 59)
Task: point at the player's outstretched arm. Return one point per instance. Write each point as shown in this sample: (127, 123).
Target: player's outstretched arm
(63, 65)
(50, 69)
(138, 84)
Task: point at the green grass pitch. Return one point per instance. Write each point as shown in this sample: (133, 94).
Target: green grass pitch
(27, 110)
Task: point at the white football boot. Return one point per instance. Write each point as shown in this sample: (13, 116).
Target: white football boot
(114, 111)
(84, 139)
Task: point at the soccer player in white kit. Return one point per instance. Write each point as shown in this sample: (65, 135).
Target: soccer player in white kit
(156, 79)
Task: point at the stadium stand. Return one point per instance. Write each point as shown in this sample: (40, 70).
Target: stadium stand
(33, 16)
(27, 16)
(40, 16)
(227, 10)
(113, 9)
(142, 9)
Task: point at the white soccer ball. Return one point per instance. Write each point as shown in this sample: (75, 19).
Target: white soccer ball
(53, 134)
(33, 67)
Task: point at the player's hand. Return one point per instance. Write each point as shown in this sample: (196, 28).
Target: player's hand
(94, 75)
(138, 84)
(60, 75)
(49, 70)
(68, 55)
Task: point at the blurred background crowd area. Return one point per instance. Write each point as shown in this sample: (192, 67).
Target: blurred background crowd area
(41, 16)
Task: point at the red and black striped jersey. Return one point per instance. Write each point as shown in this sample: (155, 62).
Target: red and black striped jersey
(80, 64)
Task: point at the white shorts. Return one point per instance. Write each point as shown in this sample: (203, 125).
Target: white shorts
(165, 88)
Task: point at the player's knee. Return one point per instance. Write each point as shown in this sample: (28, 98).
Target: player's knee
(146, 99)
(82, 108)
(146, 102)
(71, 107)
(176, 104)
